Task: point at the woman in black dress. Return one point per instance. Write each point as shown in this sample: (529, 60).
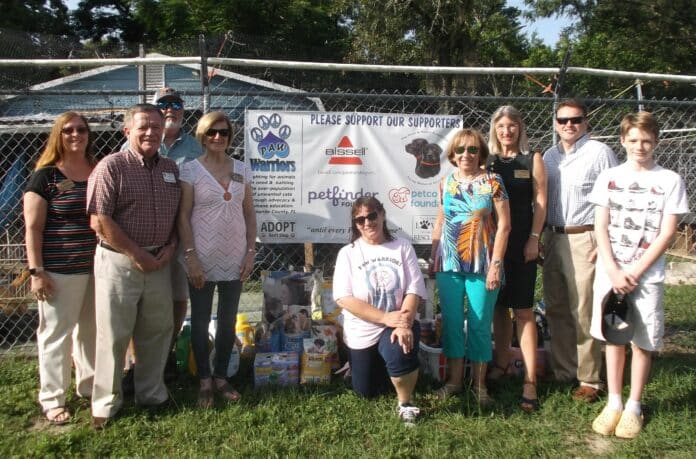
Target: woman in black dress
(524, 177)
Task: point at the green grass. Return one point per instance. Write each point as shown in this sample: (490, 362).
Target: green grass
(332, 422)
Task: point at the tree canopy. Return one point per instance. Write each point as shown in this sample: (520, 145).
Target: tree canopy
(637, 35)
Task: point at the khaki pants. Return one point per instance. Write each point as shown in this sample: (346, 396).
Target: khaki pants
(130, 303)
(66, 322)
(568, 277)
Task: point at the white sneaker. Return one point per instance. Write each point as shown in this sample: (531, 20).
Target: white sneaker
(408, 414)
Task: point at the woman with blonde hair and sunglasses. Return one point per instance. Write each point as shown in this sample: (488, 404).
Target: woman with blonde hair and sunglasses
(217, 230)
(60, 253)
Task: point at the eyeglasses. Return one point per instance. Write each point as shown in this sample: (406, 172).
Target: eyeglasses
(372, 216)
(471, 149)
(213, 132)
(572, 119)
(71, 130)
(165, 104)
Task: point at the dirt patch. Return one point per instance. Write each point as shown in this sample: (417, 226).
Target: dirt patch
(671, 337)
(599, 445)
(42, 425)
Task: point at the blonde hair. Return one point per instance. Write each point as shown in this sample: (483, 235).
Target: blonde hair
(645, 121)
(516, 117)
(53, 151)
(207, 121)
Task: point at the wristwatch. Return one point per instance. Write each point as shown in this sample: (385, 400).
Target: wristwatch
(35, 271)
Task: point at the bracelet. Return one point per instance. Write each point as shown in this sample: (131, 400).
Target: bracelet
(251, 250)
(187, 251)
(534, 235)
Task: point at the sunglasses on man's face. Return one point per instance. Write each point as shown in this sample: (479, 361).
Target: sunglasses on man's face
(471, 149)
(165, 104)
(213, 132)
(572, 119)
(71, 130)
(372, 216)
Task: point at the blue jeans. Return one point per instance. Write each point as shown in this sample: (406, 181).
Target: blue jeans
(201, 305)
(371, 367)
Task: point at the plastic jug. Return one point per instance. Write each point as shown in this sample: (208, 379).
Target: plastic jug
(183, 347)
(244, 331)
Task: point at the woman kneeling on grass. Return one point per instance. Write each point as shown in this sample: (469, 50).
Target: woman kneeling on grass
(378, 283)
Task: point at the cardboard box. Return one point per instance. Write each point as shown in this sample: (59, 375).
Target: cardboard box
(276, 368)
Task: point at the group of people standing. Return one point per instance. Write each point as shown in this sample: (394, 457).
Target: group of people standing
(116, 247)
(604, 228)
(110, 246)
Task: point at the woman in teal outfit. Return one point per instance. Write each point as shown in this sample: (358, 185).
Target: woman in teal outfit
(469, 241)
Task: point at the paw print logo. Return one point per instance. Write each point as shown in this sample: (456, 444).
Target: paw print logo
(271, 143)
(424, 224)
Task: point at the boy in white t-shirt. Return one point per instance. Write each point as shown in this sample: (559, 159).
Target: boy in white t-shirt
(638, 208)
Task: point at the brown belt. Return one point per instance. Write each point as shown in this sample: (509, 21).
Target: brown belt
(571, 229)
(152, 251)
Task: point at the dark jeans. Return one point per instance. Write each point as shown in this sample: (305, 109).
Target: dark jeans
(372, 367)
(201, 306)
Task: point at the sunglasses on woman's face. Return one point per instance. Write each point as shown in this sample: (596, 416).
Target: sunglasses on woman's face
(165, 104)
(471, 149)
(71, 130)
(372, 216)
(213, 132)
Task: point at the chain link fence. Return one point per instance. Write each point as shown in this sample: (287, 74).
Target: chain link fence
(102, 94)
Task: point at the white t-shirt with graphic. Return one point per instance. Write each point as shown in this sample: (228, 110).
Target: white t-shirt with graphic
(637, 200)
(381, 275)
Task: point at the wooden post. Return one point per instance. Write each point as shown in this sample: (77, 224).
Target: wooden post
(309, 254)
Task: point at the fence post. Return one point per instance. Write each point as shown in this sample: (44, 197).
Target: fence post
(141, 74)
(639, 94)
(557, 92)
(205, 88)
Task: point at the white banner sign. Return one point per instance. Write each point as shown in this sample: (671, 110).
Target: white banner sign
(309, 167)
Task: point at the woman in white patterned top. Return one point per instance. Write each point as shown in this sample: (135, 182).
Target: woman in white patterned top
(217, 228)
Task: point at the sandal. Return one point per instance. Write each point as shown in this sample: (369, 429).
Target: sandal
(529, 405)
(448, 390)
(205, 398)
(58, 416)
(226, 391)
(482, 396)
(497, 373)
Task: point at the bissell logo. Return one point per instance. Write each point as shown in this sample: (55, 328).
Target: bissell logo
(345, 153)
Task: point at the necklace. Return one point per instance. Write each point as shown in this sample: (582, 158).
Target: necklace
(470, 178)
(220, 175)
(507, 159)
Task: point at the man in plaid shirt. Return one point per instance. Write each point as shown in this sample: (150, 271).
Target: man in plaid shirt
(132, 199)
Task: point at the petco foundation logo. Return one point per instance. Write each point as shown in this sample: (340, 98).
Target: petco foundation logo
(402, 196)
(345, 153)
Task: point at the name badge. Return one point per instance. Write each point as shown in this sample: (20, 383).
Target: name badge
(237, 178)
(169, 177)
(65, 185)
(522, 173)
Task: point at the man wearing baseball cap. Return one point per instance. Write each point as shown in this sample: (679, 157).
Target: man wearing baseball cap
(181, 147)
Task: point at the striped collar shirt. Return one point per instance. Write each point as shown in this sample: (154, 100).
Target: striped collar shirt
(571, 176)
